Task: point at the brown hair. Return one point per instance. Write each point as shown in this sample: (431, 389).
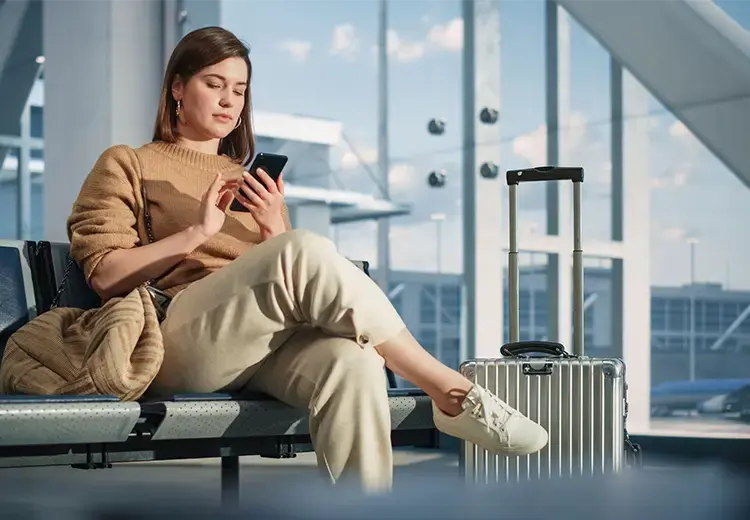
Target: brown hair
(197, 50)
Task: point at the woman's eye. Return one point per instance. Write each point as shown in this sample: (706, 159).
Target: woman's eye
(213, 85)
(238, 93)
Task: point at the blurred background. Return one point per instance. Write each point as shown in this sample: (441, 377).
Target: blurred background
(400, 119)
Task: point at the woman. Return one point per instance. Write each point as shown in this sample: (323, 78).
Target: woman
(256, 305)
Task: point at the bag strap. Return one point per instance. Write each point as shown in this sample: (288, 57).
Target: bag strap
(149, 224)
(61, 288)
(146, 211)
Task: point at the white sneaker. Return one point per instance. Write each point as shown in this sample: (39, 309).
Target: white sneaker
(492, 424)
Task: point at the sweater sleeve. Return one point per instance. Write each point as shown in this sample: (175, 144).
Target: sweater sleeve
(103, 218)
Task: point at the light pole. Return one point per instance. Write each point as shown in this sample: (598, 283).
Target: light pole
(692, 242)
(438, 219)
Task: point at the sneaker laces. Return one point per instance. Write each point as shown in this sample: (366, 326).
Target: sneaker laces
(492, 409)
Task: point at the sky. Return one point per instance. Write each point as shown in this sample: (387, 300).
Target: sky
(318, 58)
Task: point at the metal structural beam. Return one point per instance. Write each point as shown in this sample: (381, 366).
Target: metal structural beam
(708, 77)
(482, 203)
(23, 192)
(730, 330)
(384, 240)
(12, 141)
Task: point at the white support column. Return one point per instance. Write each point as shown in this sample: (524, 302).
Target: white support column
(482, 202)
(631, 310)
(102, 84)
(559, 209)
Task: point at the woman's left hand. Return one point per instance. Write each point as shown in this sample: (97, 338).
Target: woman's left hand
(264, 201)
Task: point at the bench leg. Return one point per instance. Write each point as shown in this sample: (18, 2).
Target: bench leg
(391, 378)
(230, 480)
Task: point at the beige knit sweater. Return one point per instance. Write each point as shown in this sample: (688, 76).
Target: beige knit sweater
(108, 213)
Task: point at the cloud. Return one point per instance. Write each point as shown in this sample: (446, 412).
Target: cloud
(402, 50)
(350, 160)
(679, 130)
(345, 42)
(673, 233)
(402, 177)
(590, 149)
(578, 147)
(674, 177)
(448, 36)
(299, 50)
(532, 146)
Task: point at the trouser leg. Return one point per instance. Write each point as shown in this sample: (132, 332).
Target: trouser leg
(219, 329)
(344, 388)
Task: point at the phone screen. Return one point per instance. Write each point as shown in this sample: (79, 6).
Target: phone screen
(273, 164)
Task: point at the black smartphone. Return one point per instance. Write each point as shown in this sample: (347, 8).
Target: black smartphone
(271, 163)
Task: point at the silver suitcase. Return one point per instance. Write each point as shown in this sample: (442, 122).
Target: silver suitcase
(580, 401)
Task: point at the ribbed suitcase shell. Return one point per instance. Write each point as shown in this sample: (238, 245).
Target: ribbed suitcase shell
(581, 402)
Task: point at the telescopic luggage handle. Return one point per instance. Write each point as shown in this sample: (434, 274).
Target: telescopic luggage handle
(537, 174)
(544, 173)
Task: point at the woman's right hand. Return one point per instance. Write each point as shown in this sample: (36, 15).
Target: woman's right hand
(214, 205)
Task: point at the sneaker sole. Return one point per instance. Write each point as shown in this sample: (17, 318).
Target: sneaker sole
(540, 444)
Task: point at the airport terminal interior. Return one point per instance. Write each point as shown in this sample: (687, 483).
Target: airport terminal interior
(400, 120)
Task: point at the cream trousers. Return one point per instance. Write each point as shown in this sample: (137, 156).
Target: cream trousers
(296, 320)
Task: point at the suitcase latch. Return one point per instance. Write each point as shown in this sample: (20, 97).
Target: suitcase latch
(539, 368)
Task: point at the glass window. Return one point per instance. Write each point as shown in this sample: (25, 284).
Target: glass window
(658, 314)
(678, 317)
(427, 304)
(428, 339)
(451, 303)
(37, 122)
(698, 261)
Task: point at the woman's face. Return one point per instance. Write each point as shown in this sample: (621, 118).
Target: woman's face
(213, 100)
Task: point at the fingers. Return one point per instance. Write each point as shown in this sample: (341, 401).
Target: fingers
(267, 180)
(246, 202)
(280, 184)
(251, 195)
(251, 181)
(233, 184)
(225, 199)
(213, 191)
